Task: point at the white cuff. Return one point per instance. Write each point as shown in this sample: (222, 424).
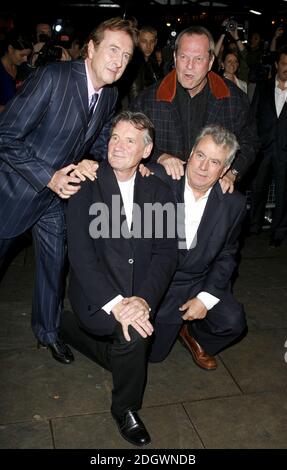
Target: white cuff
(108, 307)
(208, 300)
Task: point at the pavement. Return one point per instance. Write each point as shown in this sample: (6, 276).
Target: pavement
(241, 405)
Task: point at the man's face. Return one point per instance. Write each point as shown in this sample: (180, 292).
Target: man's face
(206, 164)
(282, 68)
(107, 61)
(126, 149)
(43, 29)
(192, 62)
(147, 43)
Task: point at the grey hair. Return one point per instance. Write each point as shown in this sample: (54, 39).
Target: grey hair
(200, 30)
(221, 137)
(139, 121)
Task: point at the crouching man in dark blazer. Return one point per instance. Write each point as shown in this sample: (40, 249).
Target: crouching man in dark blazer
(121, 266)
(199, 303)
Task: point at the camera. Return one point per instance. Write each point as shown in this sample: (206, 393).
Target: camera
(48, 53)
(229, 24)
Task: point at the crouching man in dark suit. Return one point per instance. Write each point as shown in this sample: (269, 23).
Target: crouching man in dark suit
(121, 266)
(199, 303)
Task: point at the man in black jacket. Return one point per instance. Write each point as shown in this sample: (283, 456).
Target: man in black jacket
(121, 265)
(199, 302)
(270, 109)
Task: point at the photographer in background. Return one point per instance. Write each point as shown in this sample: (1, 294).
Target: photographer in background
(43, 35)
(222, 47)
(47, 49)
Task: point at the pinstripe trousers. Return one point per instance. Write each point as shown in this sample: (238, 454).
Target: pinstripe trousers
(49, 239)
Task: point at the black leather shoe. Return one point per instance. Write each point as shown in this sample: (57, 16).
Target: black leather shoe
(60, 351)
(132, 428)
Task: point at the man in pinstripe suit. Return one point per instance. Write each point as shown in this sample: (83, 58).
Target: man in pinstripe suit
(44, 132)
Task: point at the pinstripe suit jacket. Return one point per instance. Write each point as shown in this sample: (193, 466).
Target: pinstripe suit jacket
(45, 128)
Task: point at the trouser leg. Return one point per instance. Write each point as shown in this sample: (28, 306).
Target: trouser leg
(127, 360)
(222, 325)
(50, 252)
(129, 369)
(259, 194)
(279, 218)
(96, 348)
(165, 335)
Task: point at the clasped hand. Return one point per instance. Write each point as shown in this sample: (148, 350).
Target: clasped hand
(133, 311)
(67, 181)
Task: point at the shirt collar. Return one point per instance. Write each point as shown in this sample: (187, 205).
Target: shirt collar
(128, 182)
(189, 189)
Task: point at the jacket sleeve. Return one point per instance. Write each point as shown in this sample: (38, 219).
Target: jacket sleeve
(22, 115)
(247, 136)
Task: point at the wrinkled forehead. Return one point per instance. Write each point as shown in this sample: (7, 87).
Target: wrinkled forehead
(194, 41)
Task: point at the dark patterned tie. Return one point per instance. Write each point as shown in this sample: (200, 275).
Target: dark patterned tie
(92, 105)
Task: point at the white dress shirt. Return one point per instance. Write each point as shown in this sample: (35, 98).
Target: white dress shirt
(193, 214)
(280, 97)
(127, 193)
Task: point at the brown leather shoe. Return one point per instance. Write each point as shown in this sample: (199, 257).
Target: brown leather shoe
(200, 357)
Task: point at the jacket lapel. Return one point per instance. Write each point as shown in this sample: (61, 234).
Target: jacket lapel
(141, 196)
(81, 89)
(283, 114)
(210, 214)
(271, 97)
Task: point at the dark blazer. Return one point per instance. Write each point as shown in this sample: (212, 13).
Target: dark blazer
(44, 128)
(209, 265)
(272, 130)
(226, 105)
(102, 268)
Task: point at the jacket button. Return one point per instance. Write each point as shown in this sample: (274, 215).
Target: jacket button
(89, 308)
(131, 261)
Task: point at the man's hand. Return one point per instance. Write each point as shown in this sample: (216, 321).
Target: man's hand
(133, 311)
(144, 171)
(61, 181)
(194, 309)
(134, 308)
(173, 165)
(227, 182)
(86, 169)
